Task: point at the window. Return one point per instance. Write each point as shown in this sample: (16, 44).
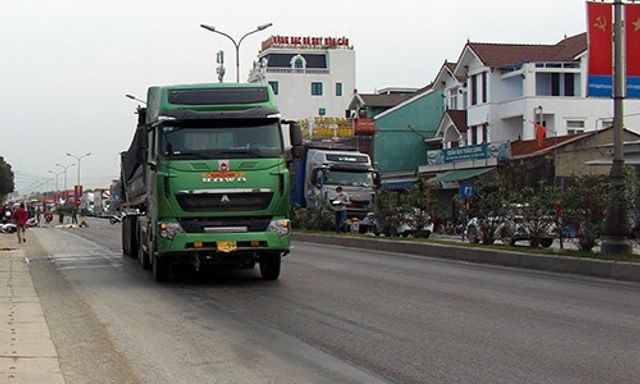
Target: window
(316, 89)
(474, 89)
(485, 133)
(275, 86)
(569, 84)
(575, 126)
(322, 111)
(298, 64)
(555, 84)
(338, 89)
(453, 98)
(227, 138)
(474, 135)
(484, 87)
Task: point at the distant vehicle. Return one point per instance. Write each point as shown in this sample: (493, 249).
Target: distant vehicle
(408, 225)
(509, 230)
(324, 168)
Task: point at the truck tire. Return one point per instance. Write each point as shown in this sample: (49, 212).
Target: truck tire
(123, 237)
(143, 257)
(161, 269)
(270, 266)
(130, 236)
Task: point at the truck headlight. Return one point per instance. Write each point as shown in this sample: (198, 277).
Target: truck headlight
(168, 230)
(280, 227)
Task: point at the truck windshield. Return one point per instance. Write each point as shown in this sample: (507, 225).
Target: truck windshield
(348, 178)
(221, 139)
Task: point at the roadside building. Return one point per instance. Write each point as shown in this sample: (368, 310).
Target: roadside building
(400, 133)
(310, 76)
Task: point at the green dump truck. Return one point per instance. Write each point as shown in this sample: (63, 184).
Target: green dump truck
(206, 179)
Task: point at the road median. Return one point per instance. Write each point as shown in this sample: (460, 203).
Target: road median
(618, 270)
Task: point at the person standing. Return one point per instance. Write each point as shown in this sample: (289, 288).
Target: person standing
(341, 202)
(21, 216)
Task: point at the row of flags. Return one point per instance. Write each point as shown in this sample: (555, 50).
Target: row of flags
(600, 29)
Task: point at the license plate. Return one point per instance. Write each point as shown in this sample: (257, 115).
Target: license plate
(226, 246)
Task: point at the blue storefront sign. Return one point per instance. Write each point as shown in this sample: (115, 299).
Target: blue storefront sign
(500, 151)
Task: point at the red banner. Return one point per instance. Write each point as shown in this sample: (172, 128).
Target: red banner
(600, 19)
(632, 32)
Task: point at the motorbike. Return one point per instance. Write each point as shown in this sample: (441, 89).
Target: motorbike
(116, 218)
(8, 228)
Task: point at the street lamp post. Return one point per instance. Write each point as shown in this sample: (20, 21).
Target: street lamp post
(236, 44)
(65, 167)
(615, 230)
(78, 158)
(56, 174)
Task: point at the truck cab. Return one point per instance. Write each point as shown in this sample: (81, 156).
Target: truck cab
(327, 168)
(206, 180)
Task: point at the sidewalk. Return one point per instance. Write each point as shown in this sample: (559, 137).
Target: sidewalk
(27, 353)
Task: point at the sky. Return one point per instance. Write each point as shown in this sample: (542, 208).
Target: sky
(66, 65)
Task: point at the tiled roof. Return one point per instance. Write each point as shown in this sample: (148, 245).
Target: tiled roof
(506, 55)
(525, 148)
(459, 119)
(451, 66)
(373, 100)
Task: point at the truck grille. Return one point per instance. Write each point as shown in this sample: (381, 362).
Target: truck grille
(230, 202)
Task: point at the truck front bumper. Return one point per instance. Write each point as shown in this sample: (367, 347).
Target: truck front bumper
(186, 244)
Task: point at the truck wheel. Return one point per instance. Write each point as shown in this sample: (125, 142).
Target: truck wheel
(270, 266)
(123, 236)
(161, 269)
(143, 257)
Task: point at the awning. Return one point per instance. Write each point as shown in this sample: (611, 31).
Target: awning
(398, 184)
(451, 179)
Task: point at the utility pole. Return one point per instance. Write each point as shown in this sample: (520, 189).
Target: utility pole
(615, 231)
(220, 70)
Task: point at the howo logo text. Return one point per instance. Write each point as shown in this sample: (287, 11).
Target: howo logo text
(224, 177)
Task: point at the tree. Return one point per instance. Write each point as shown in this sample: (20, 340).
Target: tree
(538, 211)
(6, 179)
(487, 210)
(585, 201)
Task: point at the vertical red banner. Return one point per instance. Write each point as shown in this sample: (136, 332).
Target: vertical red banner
(632, 48)
(600, 28)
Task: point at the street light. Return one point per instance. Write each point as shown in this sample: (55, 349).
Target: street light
(56, 174)
(132, 97)
(237, 44)
(78, 158)
(65, 167)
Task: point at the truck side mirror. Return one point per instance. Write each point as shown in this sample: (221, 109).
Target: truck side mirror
(295, 133)
(316, 178)
(376, 179)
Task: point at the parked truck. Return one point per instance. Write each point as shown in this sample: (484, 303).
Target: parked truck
(206, 179)
(325, 167)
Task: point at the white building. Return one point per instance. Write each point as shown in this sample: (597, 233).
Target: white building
(502, 89)
(311, 76)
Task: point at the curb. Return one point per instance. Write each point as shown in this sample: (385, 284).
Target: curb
(617, 270)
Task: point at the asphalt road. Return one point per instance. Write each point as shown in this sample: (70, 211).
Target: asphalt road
(335, 316)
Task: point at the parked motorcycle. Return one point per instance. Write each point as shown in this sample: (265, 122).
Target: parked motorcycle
(8, 228)
(116, 218)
